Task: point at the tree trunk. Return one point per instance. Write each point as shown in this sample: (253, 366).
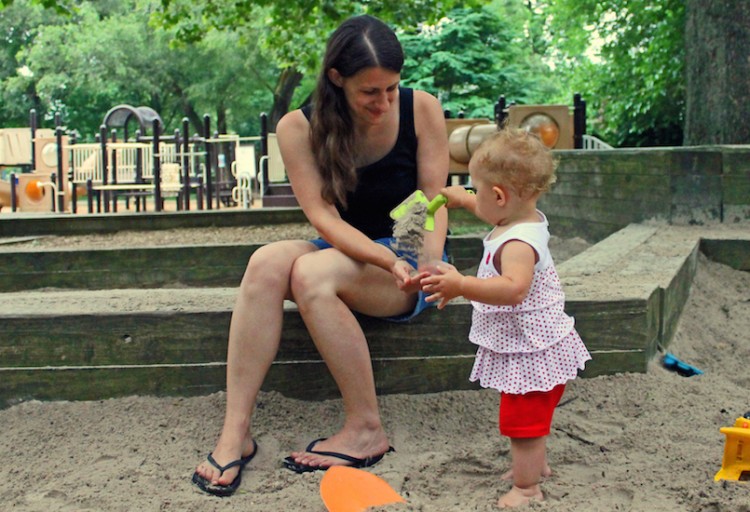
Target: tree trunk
(221, 118)
(717, 67)
(289, 79)
(196, 120)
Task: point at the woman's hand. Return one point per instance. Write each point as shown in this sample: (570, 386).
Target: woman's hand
(408, 279)
(444, 285)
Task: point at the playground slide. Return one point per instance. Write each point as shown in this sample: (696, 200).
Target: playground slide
(4, 194)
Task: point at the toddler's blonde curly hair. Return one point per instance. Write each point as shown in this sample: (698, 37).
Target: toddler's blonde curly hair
(518, 159)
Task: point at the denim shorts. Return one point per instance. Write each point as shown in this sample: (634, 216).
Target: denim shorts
(389, 242)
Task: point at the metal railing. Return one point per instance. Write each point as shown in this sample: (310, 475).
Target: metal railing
(591, 142)
(126, 157)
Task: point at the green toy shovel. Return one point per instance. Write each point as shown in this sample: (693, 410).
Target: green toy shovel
(417, 200)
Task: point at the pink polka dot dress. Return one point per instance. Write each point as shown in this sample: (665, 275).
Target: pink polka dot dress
(531, 346)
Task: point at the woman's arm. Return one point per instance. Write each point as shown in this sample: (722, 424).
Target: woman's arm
(432, 165)
(293, 135)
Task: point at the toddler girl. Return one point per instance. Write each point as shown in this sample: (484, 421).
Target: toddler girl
(528, 347)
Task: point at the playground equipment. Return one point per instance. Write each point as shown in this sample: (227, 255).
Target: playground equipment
(735, 464)
(557, 126)
(35, 193)
(138, 166)
(5, 193)
(244, 171)
(220, 167)
(275, 189)
(32, 155)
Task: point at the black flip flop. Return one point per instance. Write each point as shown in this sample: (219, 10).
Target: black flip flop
(354, 462)
(224, 490)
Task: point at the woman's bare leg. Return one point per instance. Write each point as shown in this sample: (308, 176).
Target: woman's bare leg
(529, 458)
(254, 336)
(327, 286)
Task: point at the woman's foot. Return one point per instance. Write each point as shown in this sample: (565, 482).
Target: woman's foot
(224, 453)
(518, 497)
(358, 445)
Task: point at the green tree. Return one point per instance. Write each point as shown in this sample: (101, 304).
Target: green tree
(626, 57)
(112, 56)
(291, 34)
(19, 25)
(472, 56)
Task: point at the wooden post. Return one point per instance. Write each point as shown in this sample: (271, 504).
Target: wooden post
(60, 176)
(105, 167)
(185, 163)
(500, 114)
(264, 150)
(114, 171)
(13, 193)
(32, 123)
(157, 167)
(207, 148)
(71, 174)
(579, 121)
(53, 198)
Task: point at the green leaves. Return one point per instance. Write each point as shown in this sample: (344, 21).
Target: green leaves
(635, 88)
(59, 6)
(472, 56)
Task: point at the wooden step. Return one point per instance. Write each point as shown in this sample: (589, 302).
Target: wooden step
(279, 194)
(153, 267)
(625, 293)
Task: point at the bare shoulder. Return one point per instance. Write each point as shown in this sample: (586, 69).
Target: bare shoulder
(428, 114)
(293, 137)
(292, 123)
(426, 104)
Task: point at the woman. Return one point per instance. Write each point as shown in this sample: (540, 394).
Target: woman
(363, 147)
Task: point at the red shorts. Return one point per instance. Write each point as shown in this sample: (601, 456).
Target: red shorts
(530, 414)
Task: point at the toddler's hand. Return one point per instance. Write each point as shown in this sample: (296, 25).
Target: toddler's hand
(444, 285)
(455, 195)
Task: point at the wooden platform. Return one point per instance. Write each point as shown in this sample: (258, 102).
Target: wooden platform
(626, 293)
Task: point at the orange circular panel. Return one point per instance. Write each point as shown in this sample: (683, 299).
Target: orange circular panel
(544, 127)
(34, 191)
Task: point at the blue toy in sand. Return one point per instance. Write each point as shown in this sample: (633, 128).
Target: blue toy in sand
(670, 362)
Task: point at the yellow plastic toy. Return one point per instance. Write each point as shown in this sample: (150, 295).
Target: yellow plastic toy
(736, 462)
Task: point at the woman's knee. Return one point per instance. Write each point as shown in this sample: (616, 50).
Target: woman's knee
(268, 269)
(310, 278)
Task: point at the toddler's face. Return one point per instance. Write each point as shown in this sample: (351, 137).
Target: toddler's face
(487, 207)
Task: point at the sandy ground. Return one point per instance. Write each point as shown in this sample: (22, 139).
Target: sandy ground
(631, 442)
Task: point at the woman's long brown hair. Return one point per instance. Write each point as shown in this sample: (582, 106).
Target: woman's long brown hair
(360, 42)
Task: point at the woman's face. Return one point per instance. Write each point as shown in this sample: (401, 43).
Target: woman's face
(370, 93)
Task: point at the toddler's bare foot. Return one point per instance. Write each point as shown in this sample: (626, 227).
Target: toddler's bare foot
(508, 475)
(517, 497)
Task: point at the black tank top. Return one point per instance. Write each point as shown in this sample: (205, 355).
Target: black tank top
(382, 185)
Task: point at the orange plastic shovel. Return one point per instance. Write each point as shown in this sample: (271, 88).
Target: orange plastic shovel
(346, 489)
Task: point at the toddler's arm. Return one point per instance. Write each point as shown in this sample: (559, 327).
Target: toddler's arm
(459, 198)
(510, 288)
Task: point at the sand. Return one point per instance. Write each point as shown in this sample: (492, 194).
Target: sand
(409, 231)
(630, 442)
